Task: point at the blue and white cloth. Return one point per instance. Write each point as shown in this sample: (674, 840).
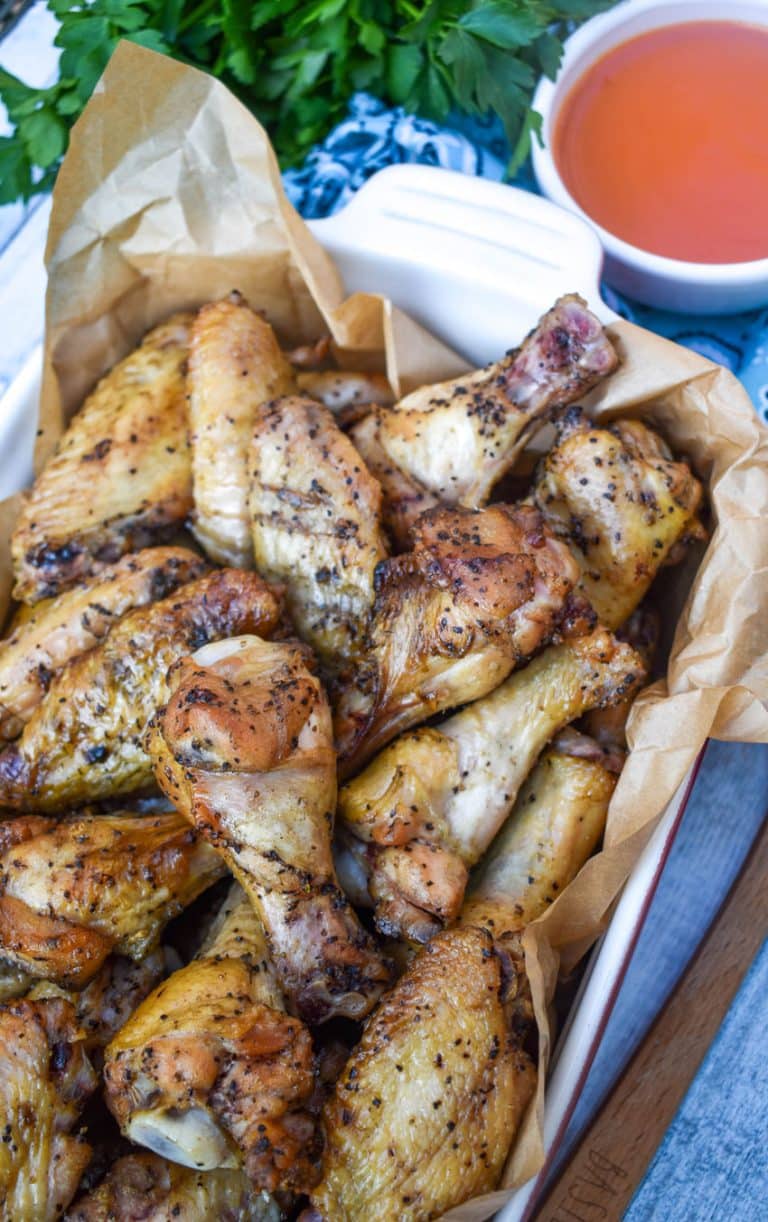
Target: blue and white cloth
(374, 136)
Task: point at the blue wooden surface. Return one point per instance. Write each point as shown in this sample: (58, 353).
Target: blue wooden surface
(712, 1163)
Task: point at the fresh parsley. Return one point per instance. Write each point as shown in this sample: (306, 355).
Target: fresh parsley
(295, 63)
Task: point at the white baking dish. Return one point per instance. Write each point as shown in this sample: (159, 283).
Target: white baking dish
(476, 263)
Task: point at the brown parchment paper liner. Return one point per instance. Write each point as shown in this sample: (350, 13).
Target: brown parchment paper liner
(170, 195)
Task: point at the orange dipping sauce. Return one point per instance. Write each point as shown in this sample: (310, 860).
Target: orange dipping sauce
(664, 141)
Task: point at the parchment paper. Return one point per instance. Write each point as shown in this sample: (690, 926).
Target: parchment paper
(170, 196)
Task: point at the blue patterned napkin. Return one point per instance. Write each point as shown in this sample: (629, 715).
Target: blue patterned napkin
(374, 136)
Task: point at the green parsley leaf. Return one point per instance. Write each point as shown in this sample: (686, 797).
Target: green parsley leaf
(19, 99)
(506, 25)
(295, 63)
(549, 52)
(44, 136)
(15, 171)
(405, 63)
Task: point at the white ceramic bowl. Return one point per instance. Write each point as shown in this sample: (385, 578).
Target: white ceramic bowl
(674, 284)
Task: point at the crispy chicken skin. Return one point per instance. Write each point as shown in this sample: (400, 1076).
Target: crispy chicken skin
(45, 1079)
(417, 1123)
(121, 476)
(109, 999)
(607, 726)
(235, 365)
(450, 443)
(60, 629)
(556, 824)
(312, 356)
(622, 503)
(316, 523)
(244, 750)
(428, 807)
(478, 594)
(211, 1072)
(74, 891)
(403, 499)
(426, 1109)
(145, 1188)
(13, 982)
(349, 395)
(84, 740)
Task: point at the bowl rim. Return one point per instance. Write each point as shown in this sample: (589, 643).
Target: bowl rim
(548, 99)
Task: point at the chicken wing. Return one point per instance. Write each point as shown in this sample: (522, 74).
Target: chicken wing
(60, 629)
(607, 726)
(480, 592)
(235, 365)
(244, 750)
(109, 999)
(121, 477)
(45, 1079)
(145, 1188)
(13, 982)
(428, 807)
(452, 442)
(315, 515)
(74, 891)
(211, 1072)
(419, 1122)
(556, 824)
(428, 1105)
(625, 507)
(404, 500)
(350, 396)
(84, 740)
(312, 356)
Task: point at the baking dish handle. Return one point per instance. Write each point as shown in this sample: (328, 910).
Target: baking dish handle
(468, 244)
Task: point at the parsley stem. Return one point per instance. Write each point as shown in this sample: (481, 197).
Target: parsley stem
(193, 18)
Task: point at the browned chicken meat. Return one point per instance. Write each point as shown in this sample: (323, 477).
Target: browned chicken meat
(14, 982)
(73, 891)
(404, 501)
(45, 1080)
(420, 1121)
(556, 824)
(350, 396)
(110, 998)
(622, 503)
(60, 629)
(235, 365)
(244, 750)
(425, 1112)
(145, 1188)
(315, 515)
(121, 477)
(429, 806)
(478, 594)
(84, 740)
(450, 443)
(312, 356)
(211, 1072)
(607, 726)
